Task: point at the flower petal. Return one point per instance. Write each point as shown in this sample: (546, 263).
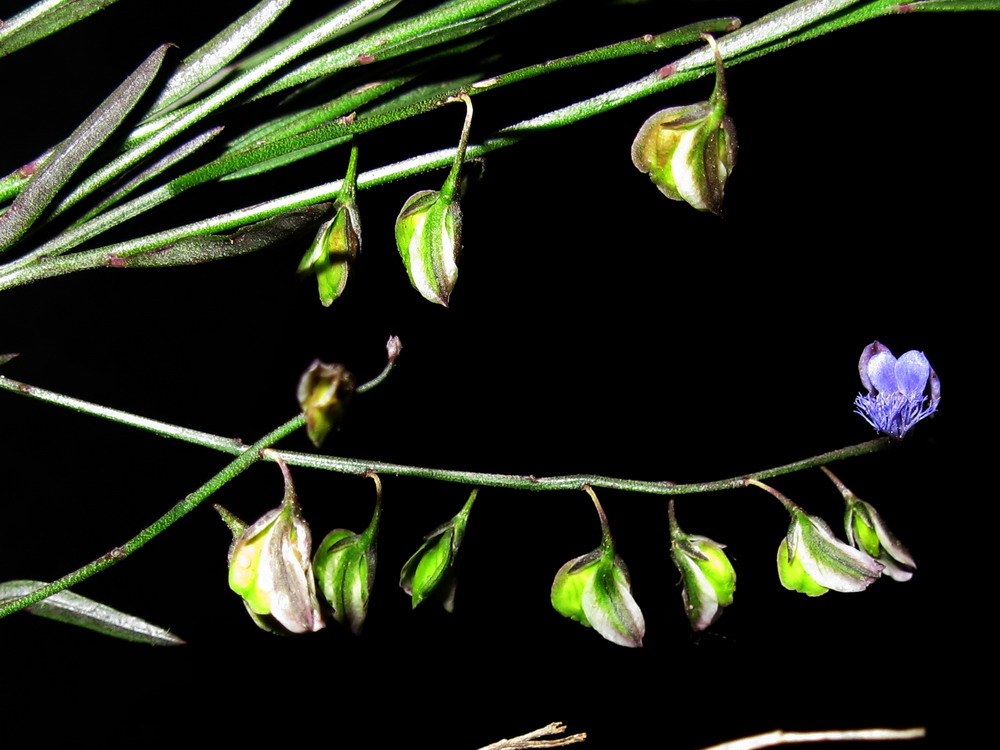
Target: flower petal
(882, 372)
(870, 351)
(912, 371)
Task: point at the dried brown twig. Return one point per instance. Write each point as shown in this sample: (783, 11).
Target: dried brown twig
(530, 741)
(778, 737)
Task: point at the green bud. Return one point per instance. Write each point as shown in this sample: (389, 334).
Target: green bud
(595, 590)
(867, 531)
(431, 569)
(324, 391)
(690, 151)
(269, 567)
(429, 231)
(345, 568)
(338, 241)
(708, 577)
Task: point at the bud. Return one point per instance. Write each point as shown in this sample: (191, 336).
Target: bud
(269, 567)
(429, 230)
(345, 568)
(706, 574)
(324, 390)
(689, 152)
(867, 531)
(431, 568)
(595, 590)
(338, 241)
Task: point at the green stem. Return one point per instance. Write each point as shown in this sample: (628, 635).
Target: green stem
(168, 519)
(361, 467)
(790, 506)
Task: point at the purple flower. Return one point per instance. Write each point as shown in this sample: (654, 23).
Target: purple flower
(901, 391)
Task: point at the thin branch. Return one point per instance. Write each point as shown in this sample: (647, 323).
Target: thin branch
(361, 467)
(530, 740)
(779, 737)
(235, 467)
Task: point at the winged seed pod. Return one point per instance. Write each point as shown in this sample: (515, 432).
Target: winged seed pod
(867, 531)
(269, 567)
(812, 561)
(708, 577)
(345, 568)
(429, 230)
(595, 590)
(431, 569)
(337, 242)
(689, 152)
(324, 391)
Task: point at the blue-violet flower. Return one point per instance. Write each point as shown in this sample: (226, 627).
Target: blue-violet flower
(901, 391)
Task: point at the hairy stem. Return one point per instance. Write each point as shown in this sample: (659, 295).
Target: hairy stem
(361, 467)
(241, 463)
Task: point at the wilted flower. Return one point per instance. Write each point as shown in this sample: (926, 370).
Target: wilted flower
(429, 230)
(337, 242)
(345, 568)
(594, 589)
(690, 151)
(269, 567)
(706, 573)
(867, 531)
(812, 560)
(901, 391)
(431, 568)
(324, 391)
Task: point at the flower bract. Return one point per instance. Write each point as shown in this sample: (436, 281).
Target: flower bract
(901, 392)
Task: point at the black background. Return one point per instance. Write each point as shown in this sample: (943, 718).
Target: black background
(596, 327)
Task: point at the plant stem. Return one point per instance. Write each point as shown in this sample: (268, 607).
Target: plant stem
(251, 455)
(361, 467)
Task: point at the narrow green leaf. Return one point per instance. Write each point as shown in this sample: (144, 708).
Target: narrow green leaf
(43, 19)
(212, 57)
(68, 157)
(5, 358)
(951, 5)
(79, 610)
(157, 132)
(287, 158)
(450, 21)
(152, 171)
(205, 248)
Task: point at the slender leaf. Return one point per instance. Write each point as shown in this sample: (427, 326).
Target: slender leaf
(79, 610)
(43, 19)
(139, 149)
(451, 21)
(209, 59)
(208, 247)
(153, 170)
(49, 178)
